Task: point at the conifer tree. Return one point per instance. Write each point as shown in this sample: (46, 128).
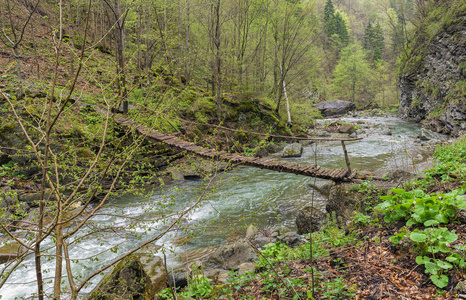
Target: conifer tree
(374, 41)
(329, 11)
(340, 29)
(335, 26)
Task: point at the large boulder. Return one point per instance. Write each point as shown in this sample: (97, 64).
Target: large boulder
(231, 256)
(127, 280)
(335, 107)
(342, 200)
(427, 135)
(293, 150)
(304, 218)
(154, 267)
(9, 250)
(346, 128)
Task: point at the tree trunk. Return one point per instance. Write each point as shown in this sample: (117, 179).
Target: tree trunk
(218, 68)
(287, 103)
(119, 48)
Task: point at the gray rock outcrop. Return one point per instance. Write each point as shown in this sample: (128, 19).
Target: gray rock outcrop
(427, 135)
(335, 107)
(432, 91)
(346, 128)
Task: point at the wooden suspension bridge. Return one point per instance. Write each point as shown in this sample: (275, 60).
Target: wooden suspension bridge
(171, 140)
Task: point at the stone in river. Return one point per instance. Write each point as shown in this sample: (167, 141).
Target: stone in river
(335, 107)
(293, 150)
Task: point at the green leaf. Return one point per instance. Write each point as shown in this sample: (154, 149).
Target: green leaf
(418, 193)
(420, 260)
(417, 236)
(449, 237)
(410, 222)
(453, 258)
(440, 281)
(444, 265)
(462, 264)
(419, 208)
(397, 191)
(384, 205)
(431, 267)
(442, 218)
(429, 223)
(450, 212)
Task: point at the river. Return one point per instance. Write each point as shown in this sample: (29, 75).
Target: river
(265, 198)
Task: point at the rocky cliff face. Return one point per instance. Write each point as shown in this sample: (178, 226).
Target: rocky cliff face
(435, 93)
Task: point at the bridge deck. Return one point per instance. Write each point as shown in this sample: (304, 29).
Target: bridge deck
(173, 141)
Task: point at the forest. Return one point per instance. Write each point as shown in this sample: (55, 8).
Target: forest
(90, 192)
(313, 50)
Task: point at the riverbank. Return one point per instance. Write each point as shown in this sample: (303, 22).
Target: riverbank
(369, 256)
(266, 198)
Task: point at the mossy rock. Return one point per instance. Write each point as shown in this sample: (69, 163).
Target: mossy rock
(127, 280)
(10, 250)
(85, 153)
(248, 106)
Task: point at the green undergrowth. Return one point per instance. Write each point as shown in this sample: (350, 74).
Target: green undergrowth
(428, 217)
(277, 276)
(449, 166)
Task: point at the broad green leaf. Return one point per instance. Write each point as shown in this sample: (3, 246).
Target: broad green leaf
(462, 264)
(416, 217)
(411, 222)
(449, 237)
(444, 248)
(419, 208)
(420, 260)
(418, 193)
(442, 218)
(417, 236)
(443, 264)
(440, 281)
(450, 212)
(431, 267)
(429, 223)
(407, 196)
(453, 258)
(461, 204)
(397, 191)
(384, 205)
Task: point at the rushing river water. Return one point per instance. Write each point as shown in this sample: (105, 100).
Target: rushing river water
(268, 199)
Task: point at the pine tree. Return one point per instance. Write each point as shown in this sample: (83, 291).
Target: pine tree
(335, 25)
(329, 12)
(374, 41)
(368, 36)
(340, 29)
